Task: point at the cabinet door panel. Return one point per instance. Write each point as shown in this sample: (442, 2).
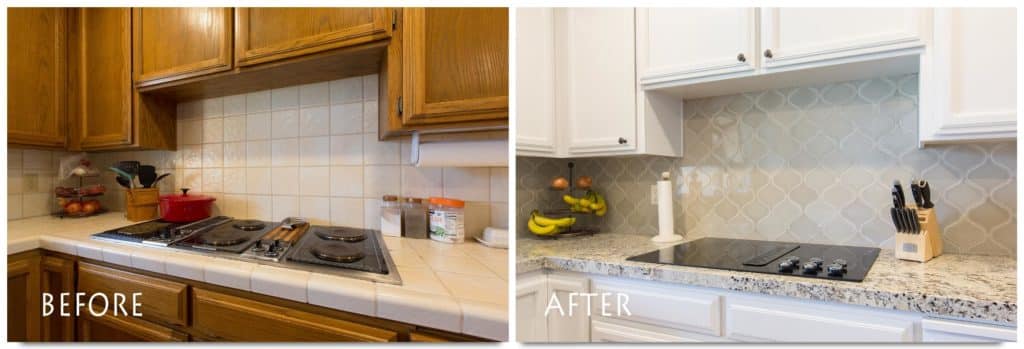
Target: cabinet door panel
(268, 34)
(535, 81)
(175, 43)
(162, 301)
(101, 77)
(764, 319)
(217, 314)
(124, 329)
(686, 43)
(455, 65)
(968, 80)
(531, 300)
(625, 332)
(23, 302)
(566, 327)
(802, 35)
(37, 77)
(58, 276)
(600, 81)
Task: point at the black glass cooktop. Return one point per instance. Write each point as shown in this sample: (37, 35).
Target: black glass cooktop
(847, 263)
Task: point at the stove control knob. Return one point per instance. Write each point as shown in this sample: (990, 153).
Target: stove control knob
(841, 262)
(794, 260)
(835, 269)
(817, 261)
(276, 246)
(259, 246)
(165, 234)
(786, 266)
(811, 268)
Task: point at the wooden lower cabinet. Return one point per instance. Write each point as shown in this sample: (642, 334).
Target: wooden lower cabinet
(124, 329)
(163, 301)
(216, 315)
(57, 277)
(23, 303)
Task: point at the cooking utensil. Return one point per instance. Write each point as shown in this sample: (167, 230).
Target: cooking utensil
(183, 207)
(157, 180)
(147, 175)
(129, 166)
(124, 178)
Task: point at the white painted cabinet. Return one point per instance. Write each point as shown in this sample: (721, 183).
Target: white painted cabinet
(694, 43)
(535, 82)
(665, 305)
(769, 319)
(563, 326)
(811, 36)
(968, 81)
(531, 300)
(600, 80)
(949, 331)
(607, 330)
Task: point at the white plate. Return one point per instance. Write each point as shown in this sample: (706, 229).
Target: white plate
(490, 244)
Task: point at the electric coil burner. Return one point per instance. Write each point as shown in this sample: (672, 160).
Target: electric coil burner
(342, 247)
(249, 225)
(230, 236)
(224, 237)
(342, 234)
(337, 252)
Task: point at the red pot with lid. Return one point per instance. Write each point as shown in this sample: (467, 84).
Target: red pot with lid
(184, 208)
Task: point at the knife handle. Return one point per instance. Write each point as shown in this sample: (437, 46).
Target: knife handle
(915, 190)
(926, 195)
(897, 189)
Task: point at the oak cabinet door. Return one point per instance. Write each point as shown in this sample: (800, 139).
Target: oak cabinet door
(57, 277)
(162, 301)
(176, 43)
(217, 314)
(23, 302)
(37, 77)
(124, 329)
(269, 34)
(101, 78)
(455, 65)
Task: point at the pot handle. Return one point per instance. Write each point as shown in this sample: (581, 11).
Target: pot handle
(184, 191)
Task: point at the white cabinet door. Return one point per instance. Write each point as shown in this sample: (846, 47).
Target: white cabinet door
(563, 327)
(666, 306)
(769, 319)
(598, 63)
(625, 332)
(935, 330)
(968, 80)
(531, 299)
(682, 45)
(823, 36)
(535, 82)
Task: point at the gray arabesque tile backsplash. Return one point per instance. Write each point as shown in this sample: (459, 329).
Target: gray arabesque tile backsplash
(808, 164)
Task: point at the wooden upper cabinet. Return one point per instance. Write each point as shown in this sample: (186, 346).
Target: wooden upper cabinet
(176, 43)
(455, 65)
(36, 77)
(100, 69)
(269, 34)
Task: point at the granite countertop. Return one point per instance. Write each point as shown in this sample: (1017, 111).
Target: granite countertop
(461, 288)
(974, 288)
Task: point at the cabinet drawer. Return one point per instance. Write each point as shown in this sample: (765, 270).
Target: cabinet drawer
(226, 317)
(626, 332)
(763, 319)
(124, 329)
(934, 330)
(676, 307)
(162, 300)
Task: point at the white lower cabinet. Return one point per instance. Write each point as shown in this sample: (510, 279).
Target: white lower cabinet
(661, 312)
(531, 299)
(949, 331)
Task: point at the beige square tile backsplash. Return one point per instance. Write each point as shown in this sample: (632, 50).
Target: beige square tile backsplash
(809, 164)
(308, 150)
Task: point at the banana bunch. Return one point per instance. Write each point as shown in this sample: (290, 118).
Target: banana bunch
(592, 202)
(541, 225)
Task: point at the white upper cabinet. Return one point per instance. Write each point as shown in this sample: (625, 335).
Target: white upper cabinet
(692, 43)
(809, 36)
(535, 82)
(969, 76)
(599, 80)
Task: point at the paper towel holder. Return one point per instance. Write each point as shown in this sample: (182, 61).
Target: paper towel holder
(414, 149)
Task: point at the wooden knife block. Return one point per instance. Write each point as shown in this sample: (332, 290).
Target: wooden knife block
(141, 204)
(924, 246)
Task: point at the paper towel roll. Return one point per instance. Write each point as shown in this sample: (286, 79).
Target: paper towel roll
(666, 219)
(461, 154)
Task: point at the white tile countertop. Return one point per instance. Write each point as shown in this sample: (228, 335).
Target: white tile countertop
(460, 288)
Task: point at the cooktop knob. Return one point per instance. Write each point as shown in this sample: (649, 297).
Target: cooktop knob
(840, 261)
(786, 266)
(835, 269)
(794, 260)
(259, 246)
(276, 245)
(811, 268)
(817, 261)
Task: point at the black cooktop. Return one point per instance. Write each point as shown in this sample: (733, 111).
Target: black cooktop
(342, 247)
(846, 263)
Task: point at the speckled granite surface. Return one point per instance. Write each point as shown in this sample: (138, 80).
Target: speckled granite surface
(976, 288)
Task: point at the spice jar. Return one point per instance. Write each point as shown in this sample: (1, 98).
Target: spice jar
(415, 217)
(390, 216)
(447, 220)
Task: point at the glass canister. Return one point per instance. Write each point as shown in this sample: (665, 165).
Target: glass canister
(415, 216)
(447, 220)
(390, 216)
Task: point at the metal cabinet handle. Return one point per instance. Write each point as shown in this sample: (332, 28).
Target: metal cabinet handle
(768, 53)
(622, 140)
(740, 57)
